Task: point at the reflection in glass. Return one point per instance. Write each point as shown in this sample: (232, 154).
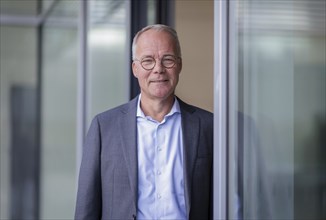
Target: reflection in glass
(279, 109)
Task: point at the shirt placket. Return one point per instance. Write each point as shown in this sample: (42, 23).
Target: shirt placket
(159, 170)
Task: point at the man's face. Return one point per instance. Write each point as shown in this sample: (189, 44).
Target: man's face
(160, 82)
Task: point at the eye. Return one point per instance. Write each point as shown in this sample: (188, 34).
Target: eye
(146, 61)
(168, 61)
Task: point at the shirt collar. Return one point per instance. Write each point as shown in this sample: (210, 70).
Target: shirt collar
(175, 108)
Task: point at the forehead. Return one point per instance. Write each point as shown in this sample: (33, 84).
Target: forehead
(156, 41)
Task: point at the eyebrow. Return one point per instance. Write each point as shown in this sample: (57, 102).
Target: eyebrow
(150, 56)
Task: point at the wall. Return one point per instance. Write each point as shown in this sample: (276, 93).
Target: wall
(194, 22)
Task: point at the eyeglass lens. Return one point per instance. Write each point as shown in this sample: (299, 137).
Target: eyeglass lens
(149, 63)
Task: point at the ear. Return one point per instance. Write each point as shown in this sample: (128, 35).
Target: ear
(134, 69)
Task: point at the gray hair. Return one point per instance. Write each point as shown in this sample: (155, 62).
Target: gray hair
(158, 28)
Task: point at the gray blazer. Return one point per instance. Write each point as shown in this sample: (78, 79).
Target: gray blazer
(107, 187)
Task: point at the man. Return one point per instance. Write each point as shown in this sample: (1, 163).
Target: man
(152, 157)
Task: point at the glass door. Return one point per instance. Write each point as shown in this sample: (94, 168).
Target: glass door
(275, 109)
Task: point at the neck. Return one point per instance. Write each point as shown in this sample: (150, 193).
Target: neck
(155, 108)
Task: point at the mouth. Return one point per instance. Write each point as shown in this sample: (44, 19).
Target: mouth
(159, 81)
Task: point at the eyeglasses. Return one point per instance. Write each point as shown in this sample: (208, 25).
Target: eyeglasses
(168, 61)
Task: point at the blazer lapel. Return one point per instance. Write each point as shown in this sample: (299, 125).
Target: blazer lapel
(190, 129)
(128, 131)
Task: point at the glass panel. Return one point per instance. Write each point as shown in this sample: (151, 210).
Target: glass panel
(18, 123)
(108, 42)
(277, 110)
(61, 9)
(19, 7)
(59, 107)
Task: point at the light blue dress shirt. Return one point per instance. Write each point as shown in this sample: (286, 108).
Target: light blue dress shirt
(160, 166)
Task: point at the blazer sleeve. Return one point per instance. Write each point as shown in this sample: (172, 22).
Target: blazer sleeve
(89, 202)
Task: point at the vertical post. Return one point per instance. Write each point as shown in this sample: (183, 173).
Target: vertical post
(81, 80)
(165, 10)
(138, 16)
(39, 87)
(220, 109)
(235, 203)
(39, 84)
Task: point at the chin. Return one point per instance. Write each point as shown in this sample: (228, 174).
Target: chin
(163, 96)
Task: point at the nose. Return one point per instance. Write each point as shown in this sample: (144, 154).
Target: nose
(158, 68)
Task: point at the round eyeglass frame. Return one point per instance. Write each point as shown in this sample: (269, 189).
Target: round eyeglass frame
(167, 67)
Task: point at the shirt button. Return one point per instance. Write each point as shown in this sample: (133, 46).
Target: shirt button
(158, 172)
(159, 149)
(159, 196)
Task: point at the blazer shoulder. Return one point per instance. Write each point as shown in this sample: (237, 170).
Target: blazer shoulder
(206, 117)
(115, 112)
(195, 110)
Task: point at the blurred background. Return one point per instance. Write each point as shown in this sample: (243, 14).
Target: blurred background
(63, 61)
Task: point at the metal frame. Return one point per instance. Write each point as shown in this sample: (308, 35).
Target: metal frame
(235, 203)
(82, 100)
(220, 109)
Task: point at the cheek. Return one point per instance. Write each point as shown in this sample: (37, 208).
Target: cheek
(176, 77)
(142, 78)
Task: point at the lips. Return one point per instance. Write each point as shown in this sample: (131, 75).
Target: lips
(159, 81)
